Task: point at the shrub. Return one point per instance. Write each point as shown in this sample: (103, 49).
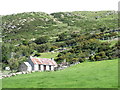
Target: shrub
(92, 58)
(42, 48)
(53, 48)
(97, 58)
(42, 40)
(25, 42)
(37, 54)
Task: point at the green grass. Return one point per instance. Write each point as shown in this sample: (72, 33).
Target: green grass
(5, 72)
(112, 42)
(0, 81)
(49, 55)
(103, 40)
(100, 74)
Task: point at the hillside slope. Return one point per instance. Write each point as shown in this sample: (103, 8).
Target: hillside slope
(26, 26)
(87, 21)
(101, 74)
(81, 35)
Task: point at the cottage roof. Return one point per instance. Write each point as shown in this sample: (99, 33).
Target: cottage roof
(27, 64)
(44, 61)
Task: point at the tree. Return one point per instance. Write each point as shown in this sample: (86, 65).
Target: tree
(97, 58)
(33, 45)
(60, 59)
(42, 40)
(53, 48)
(92, 58)
(25, 50)
(42, 48)
(6, 52)
(37, 54)
(62, 37)
(25, 42)
(74, 60)
(103, 55)
(102, 29)
(13, 63)
(70, 42)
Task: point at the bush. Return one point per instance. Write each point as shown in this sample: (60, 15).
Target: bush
(53, 48)
(92, 58)
(81, 59)
(42, 48)
(74, 60)
(42, 40)
(37, 54)
(25, 42)
(97, 58)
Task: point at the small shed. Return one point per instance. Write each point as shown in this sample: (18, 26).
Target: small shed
(25, 66)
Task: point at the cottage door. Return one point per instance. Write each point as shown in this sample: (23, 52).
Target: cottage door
(50, 67)
(44, 67)
(39, 67)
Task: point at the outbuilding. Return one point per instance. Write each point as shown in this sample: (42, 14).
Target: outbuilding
(25, 66)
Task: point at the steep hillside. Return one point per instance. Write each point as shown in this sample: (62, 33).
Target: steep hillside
(18, 27)
(102, 74)
(75, 36)
(89, 20)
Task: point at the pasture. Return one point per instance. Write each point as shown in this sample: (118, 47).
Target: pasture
(100, 74)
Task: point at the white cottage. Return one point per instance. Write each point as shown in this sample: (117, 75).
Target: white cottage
(38, 64)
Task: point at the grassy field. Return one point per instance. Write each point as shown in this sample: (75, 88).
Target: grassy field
(0, 80)
(100, 74)
(48, 55)
(113, 42)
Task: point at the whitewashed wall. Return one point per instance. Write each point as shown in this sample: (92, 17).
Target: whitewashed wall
(29, 68)
(36, 67)
(42, 68)
(47, 67)
(52, 68)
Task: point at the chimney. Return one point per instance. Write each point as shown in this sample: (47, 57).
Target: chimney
(52, 59)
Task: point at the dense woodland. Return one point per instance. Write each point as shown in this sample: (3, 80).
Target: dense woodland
(83, 36)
